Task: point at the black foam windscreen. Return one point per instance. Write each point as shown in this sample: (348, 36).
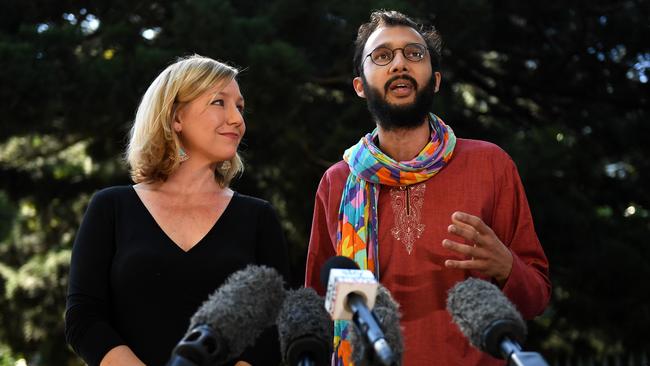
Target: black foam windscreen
(339, 262)
(484, 315)
(239, 310)
(305, 328)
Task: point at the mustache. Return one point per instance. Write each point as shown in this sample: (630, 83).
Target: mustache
(404, 77)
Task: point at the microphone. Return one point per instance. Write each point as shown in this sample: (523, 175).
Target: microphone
(386, 310)
(351, 294)
(490, 321)
(305, 329)
(232, 318)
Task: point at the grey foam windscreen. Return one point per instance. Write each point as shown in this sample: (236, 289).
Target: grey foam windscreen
(484, 315)
(305, 327)
(247, 303)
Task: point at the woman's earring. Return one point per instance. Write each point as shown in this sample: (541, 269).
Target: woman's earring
(182, 155)
(225, 166)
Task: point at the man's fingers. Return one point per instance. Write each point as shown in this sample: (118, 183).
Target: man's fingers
(475, 264)
(488, 254)
(464, 248)
(470, 220)
(468, 233)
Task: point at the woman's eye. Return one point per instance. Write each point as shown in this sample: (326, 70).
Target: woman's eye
(217, 102)
(240, 108)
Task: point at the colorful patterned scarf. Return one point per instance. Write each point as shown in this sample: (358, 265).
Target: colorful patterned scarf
(357, 224)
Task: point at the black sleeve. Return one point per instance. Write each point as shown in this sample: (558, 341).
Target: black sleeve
(271, 251)
(87, 326)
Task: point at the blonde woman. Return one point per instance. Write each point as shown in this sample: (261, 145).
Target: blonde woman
(146, 256)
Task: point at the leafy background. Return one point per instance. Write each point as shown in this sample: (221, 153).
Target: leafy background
(561, 85)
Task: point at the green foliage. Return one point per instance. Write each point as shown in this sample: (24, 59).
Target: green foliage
(7, 358)
(562, 86)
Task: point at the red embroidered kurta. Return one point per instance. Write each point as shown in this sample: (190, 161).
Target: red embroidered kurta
(482, 180)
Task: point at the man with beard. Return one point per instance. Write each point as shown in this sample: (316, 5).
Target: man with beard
(420, 208)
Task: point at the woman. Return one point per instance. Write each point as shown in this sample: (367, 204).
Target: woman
(146, 256)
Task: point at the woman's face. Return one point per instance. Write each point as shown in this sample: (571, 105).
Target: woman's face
(211, 126)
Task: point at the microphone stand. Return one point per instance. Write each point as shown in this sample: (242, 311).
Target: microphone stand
(306, 361)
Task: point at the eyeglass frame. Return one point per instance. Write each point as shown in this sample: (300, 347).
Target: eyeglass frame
(424, 48)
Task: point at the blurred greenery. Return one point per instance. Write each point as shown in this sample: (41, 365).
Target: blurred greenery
(560, 85)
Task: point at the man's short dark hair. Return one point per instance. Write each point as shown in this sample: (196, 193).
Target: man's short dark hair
(392, 18)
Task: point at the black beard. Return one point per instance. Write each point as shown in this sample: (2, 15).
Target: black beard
(390, 116)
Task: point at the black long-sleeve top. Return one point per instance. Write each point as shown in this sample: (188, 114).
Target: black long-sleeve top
(130, 284)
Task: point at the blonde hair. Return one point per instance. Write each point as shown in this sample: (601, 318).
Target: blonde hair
(153, 149)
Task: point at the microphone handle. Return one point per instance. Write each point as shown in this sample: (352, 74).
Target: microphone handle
(527, 359)
(178, 360)
(368, 325)
(511, 350)
(508, 347)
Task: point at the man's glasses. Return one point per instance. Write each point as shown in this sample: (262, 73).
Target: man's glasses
(382, 56)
